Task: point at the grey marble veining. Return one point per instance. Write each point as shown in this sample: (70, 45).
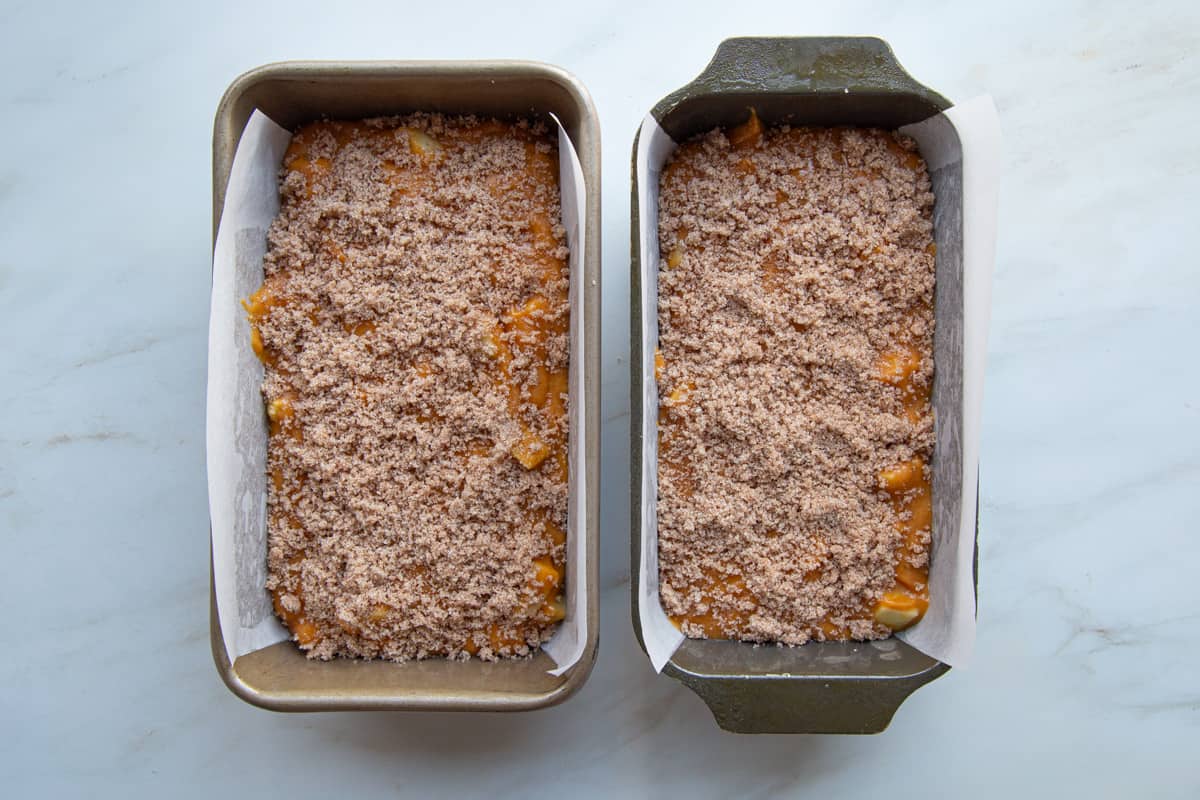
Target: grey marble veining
(1084, 678)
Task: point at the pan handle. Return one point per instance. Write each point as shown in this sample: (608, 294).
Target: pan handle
(813, 705)
(808, 64)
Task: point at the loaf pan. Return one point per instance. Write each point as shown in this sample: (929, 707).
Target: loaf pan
(280, 677)
(820, 687)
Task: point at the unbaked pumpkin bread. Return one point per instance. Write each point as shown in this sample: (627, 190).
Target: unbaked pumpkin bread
(413, 323)
(794, 369)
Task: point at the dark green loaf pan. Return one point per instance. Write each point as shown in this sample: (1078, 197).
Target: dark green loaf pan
(827, 687)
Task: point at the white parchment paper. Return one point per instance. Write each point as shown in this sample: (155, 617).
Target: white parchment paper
(966, 136)
(236, 416)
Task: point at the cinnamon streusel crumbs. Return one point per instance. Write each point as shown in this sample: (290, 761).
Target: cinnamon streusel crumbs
(414, 324)
(795, 332)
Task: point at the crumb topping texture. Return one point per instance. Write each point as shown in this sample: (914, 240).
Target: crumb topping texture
(414, 325)
(795, 312)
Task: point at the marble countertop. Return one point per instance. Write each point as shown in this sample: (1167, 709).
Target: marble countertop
(1085, 673)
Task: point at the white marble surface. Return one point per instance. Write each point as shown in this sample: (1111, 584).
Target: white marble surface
(1085, 679)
